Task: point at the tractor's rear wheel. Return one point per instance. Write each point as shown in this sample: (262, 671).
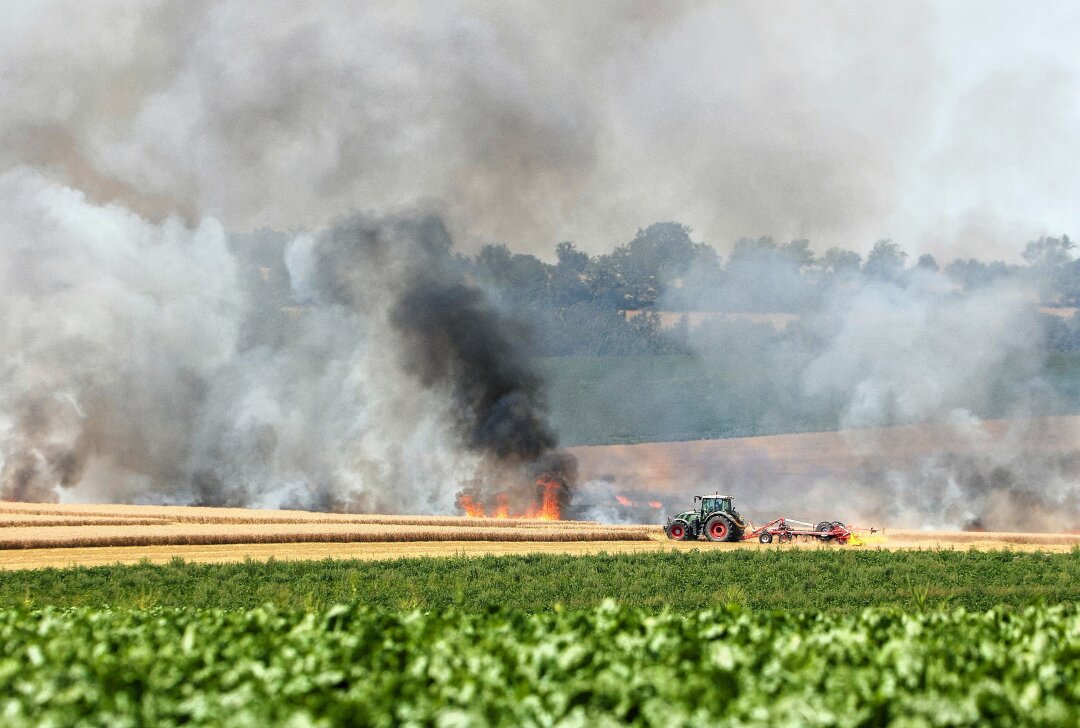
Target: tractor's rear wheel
(678, 530)
(765, 537)
(719, 528)
(824, 526)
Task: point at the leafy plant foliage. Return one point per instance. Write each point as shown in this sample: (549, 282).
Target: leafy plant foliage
(607, 666)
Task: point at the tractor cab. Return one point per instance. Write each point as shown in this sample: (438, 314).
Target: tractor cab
(714, 503)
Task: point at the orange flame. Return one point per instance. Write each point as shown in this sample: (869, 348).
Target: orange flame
(656, 504)
(548, 507)
(470, 506)
(624, 501)
(549, 502)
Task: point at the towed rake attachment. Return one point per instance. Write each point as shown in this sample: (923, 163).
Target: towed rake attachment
(784, 530)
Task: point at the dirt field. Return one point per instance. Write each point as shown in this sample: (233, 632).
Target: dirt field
(662, 467)
(37, 535)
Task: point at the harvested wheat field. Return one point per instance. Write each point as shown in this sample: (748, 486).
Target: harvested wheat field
(127, 533)
(669, 467)
(35, 535)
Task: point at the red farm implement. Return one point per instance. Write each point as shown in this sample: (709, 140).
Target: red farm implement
(716, 519)
(784, 530)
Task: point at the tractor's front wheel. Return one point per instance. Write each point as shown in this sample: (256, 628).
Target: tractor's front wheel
(719, 528)
(678, 530)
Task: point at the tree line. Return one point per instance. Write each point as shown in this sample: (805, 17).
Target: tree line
(579, 304)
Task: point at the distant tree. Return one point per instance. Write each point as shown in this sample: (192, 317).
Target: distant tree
(570, 258)
(972, 273)
(1061, 334)
(579, 305)
(569, 281)
(652, 260)
(928, 263)
(838, 260)
(522, 278)
(1048, 260)
(1068, 284)
(799, 251)
(663, 246)
(750, 248)
(706, 260)
(1048, 252)
(886, 260)
(495, 261)
(605, 283)
(763, 276)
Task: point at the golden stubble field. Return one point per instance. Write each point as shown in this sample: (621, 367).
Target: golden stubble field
(38, 535)
(670, 467)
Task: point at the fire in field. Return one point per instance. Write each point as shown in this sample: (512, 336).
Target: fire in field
(379, 260)
(549, 498)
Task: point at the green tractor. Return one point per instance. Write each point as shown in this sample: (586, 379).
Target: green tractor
(716, 519)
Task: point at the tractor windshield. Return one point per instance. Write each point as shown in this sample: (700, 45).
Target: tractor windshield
(710, 505)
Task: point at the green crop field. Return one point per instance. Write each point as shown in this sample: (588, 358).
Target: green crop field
(743, 637)
(617, 400)
(607, 666)
(844, 581)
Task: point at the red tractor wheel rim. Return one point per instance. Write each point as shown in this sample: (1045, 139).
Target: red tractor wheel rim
(718, 530)
(677, 531)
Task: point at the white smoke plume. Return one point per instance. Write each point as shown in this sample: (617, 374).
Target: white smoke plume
(938, 396)
(150, 362)
(150, 355)
(924, 353)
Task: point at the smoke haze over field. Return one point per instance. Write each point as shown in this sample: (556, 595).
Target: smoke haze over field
(157, 363)
(946, 125)
(228, 270)
(1016, 475)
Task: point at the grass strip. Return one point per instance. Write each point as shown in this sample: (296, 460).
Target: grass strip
(839, 581)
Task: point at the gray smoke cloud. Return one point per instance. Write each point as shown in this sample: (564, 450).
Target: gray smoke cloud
(925, 353)
(937, 395)
(148, 362)
(943, 123)
(150, 355)
(294, 113)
